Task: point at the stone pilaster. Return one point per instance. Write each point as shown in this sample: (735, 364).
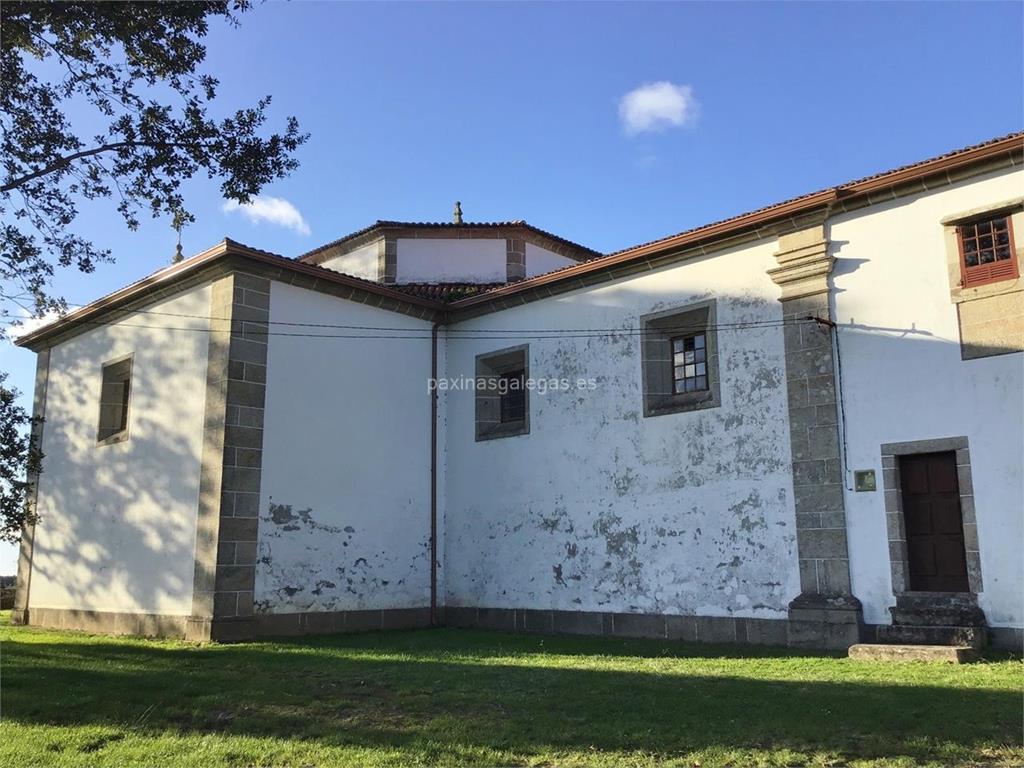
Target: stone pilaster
(229, 491)
(825, 614)
(20, 614)
(515, 260)
(387, 260)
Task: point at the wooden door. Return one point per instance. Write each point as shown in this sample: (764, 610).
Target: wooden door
(934, 526)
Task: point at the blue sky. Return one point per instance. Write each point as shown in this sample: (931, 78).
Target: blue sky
(517, 111)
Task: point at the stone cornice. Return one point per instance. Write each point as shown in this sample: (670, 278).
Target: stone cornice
(804, 264)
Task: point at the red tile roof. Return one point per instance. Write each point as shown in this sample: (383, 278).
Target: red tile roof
(435, 297)
(444, 292)
(850, 185)
(1011, 144)
(227, 248)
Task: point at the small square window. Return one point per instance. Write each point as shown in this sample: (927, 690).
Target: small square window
(502, 396)
(115, 398)
(679, 355)
(986, 251)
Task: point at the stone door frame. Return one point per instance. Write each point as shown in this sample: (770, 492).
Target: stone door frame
(895, 526)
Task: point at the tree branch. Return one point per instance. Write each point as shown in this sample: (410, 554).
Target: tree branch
(62, 162)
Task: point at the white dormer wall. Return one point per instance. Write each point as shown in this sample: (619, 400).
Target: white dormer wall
(444, 260)
(360, 262)
(540, 260)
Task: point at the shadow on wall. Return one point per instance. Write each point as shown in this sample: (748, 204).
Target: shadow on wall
(132, 532)
(116, 527)
(404, 691)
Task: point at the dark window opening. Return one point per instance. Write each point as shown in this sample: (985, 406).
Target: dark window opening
(689, 364)
(115, 396)
(512, 394)
(987, 251)
(502, 397)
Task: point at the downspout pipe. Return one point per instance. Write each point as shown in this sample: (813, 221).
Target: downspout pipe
(433, 474)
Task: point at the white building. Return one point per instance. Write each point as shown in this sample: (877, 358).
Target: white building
(800, 425)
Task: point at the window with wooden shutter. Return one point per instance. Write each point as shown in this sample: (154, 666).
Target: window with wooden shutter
(987, 251)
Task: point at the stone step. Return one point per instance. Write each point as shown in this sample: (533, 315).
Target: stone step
(903, 634)
(939, 617)
(926, 600)
(954, 654)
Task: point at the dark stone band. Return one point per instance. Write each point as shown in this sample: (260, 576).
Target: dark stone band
(693, 629)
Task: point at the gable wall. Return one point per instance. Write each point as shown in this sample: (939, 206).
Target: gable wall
(359, 262)
(540, 260)
(601, 509)
(117, 522)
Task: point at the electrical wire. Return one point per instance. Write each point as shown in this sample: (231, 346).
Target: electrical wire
(382, 332)
(422, 333)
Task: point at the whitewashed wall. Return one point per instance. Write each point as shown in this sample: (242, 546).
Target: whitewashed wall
(438, 260)
(118, 522)
(359, 262)
(903, 380)
(345, 498)
(600, 508)
(540, 260)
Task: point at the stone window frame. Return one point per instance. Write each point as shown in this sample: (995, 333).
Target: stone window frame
(895, 526)
(658, 330)
(1012, 209)
(121, 435)
(490, 366)
(980, 338)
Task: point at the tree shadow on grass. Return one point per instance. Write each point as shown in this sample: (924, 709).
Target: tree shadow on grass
(406, 690)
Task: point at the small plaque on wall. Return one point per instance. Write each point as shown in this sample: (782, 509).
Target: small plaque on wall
(864, 480)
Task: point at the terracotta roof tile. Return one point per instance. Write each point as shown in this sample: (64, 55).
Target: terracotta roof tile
(435, 296)
(445, 292)
(843, 191)
(840, 188)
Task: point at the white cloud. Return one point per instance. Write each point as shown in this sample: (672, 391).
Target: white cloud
(275, 210)
(657, 106)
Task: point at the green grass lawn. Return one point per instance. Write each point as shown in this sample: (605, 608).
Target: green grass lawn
(456, 697)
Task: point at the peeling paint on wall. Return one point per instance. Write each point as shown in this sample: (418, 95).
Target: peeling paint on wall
(305, 565)
(344, 520)
(599, 508)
